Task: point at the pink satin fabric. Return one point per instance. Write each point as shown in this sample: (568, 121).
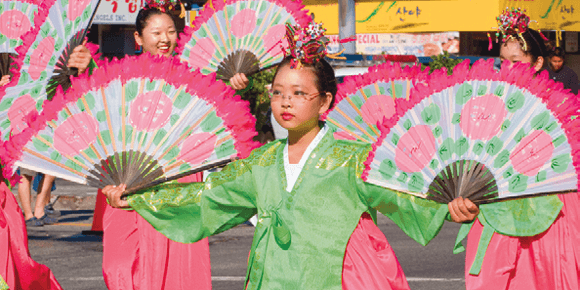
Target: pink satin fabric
(547, 261)
(369, 260)
(136, 256)
(17, 268)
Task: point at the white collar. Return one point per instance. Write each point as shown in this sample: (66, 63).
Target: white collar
(293, 170)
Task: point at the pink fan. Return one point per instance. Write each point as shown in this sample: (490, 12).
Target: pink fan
(239, 36)
(138, 121)
(480, 134)
(363, 101)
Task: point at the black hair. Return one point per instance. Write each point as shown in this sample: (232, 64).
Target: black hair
(558, 52)
(535, 45)
(145, 13)
(325, 80)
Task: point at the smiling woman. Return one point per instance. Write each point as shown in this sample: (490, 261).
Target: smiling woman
(135, 255)
(156, 32)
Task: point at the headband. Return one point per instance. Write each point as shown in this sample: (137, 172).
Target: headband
(307, 45)
(512, 23)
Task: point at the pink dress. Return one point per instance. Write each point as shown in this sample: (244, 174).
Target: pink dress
(369, 260)
(547, 261)
(17, 268)
(136, 256)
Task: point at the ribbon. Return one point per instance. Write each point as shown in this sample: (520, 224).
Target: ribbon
(269, 223)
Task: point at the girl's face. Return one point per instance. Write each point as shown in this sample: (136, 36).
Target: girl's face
(295, 100)
(512, 51)
(159, 35)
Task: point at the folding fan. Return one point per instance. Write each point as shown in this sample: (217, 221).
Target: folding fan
(480, 134)
(239, 36)
(17, 18)
(363, 101)
(40, 61)
(135, 121)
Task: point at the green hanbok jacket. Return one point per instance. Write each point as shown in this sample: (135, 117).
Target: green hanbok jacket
(301, 236)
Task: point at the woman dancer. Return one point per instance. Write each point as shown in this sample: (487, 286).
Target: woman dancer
(546, 261)
(308, 194)
(135, 255)
(17, 268)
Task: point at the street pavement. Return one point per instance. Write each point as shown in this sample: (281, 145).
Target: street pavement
(76, 259)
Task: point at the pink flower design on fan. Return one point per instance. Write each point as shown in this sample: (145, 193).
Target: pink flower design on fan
(415, 149)
(243, 22)
(40, 57)
(204, 50)
(481, 117)
(197, 148)
(378, 107)
(75, 134)
(76, 7)
(150, 111)
(14, 24)
(342, 135)
(532, 153)
(274, 39)
(18, 111)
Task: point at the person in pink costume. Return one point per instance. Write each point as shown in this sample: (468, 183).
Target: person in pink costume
(135, 255)
(547, 261)
(17, 268)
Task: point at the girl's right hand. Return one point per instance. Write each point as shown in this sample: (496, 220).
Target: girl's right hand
(239, 81)
(4, 80)
(113, 194)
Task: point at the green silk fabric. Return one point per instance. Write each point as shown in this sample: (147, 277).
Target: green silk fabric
(301, 236)
(517, 218)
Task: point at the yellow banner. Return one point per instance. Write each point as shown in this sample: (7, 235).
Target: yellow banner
(549, 14)
(411, 16)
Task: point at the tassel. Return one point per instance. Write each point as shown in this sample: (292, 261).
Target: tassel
(182, 14)
(543, 36)
(490, 45)
(336, 55)
(348, 39)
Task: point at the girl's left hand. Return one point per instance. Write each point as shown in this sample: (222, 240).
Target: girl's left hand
(5, 80)
(80, 58)
(462, 210)
(239, 81)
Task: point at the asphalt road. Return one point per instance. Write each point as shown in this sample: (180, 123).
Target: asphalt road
(75, 259)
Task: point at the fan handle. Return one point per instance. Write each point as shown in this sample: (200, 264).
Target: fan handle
(208, 166)
(493, 200)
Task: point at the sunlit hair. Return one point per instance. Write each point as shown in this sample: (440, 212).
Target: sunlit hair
(145, 13)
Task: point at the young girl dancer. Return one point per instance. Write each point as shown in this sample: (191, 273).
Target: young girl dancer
(547, 261)
(135, 255)
(314, 210)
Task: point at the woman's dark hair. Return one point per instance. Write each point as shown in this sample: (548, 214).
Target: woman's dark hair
(535, 45)
(145, 13)
(558, 52)
(325, 80)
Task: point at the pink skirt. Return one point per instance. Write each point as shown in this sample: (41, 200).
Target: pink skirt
(547, 261)
(17, 268)
(136, 256)
(369, 260)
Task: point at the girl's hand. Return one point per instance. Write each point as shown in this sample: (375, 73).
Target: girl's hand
(80, 58)
(462, 210)
(239, 81)
(113, 194)
(5, 80)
